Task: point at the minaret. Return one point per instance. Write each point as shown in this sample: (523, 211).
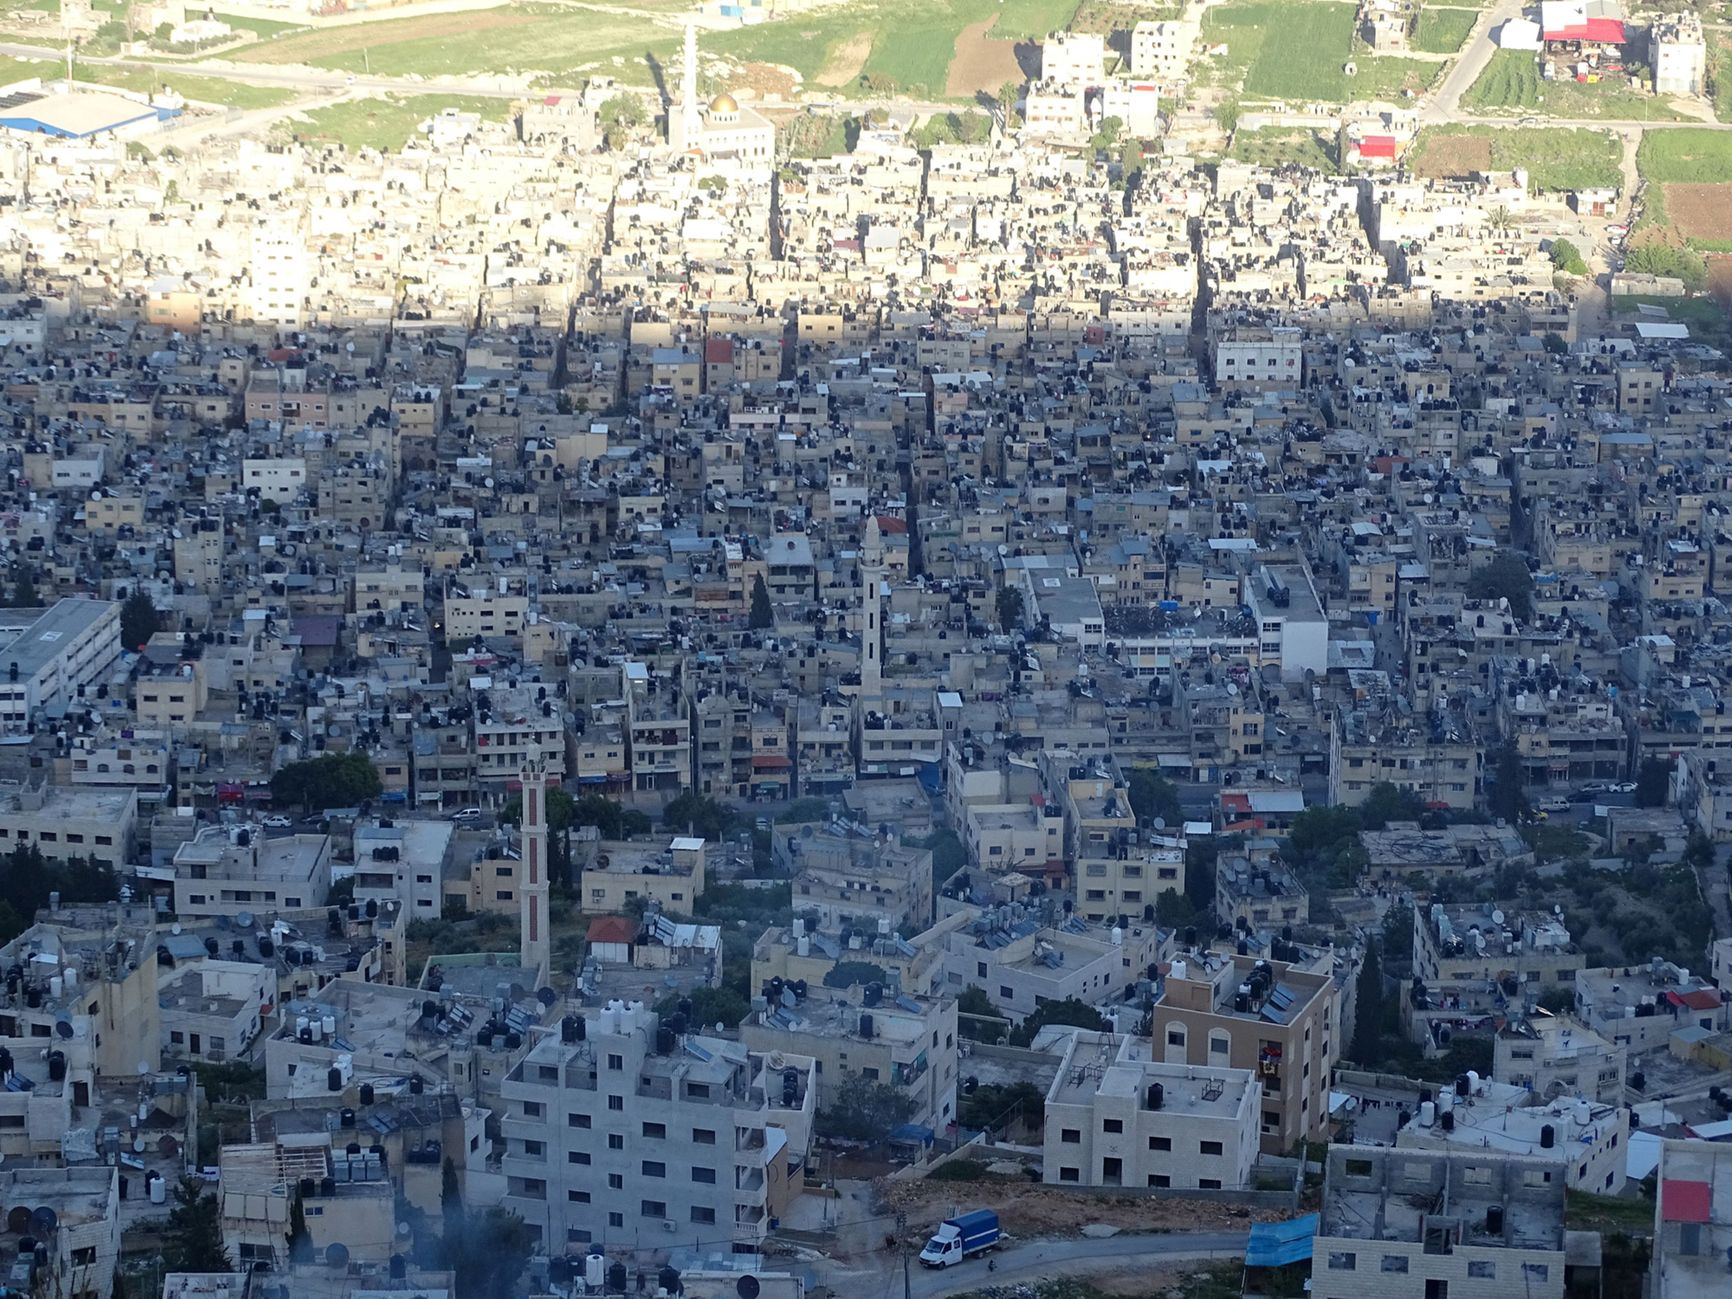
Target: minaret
(535, 952)
(871, 623)
(685, 126)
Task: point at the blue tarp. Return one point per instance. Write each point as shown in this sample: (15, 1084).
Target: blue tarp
(1276, 1244)
(930, 777)
(912, 1133)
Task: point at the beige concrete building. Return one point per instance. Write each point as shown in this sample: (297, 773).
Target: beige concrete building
(669, 873)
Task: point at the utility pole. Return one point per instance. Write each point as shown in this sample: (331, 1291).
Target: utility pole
(902, 1242)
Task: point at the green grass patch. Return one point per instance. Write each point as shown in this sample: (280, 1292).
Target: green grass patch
(1686, 156)
(1720, 75)
(386, 124)
(1442, 31)
(1278, 146)
(21, 69)
(1511, 83)
(1300, 52)
(1702, 310)
(207, 90)
(1555, 157)
(263, 26)
(1608, 1213)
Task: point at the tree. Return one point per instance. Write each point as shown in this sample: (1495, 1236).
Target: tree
(846, 974)
(977, 1018)
(487, 1253)
(329, 780)
(1653, 782)
(1069, 1011)
(1010, 608)
(299, 1238)
(864, 1109)
(24, 593)
(1504, 576)
(710, 1006)
(450, 1194)
(1671, 263)
(761, 616)
(1568, 258)
(194, 1239)
(1369, 1018)
(1386, 803)
(698, 813)
(1505, 797)
(1009, 94)
(138, 620)
(618, 118)
(1154, 798)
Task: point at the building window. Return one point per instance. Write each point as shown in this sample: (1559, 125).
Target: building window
(1160, 1180)
(577, 1120)
(655, 1130)
(703, 1136)
(616, 1219)
(616, 1062)
(1482, 1269)
(703, 1215)
(1112, 1125)
(616, 1141)
(654, 1208)
(1160, 1143)
(654, 1168)
(577, 1157)
(1395, 1262)
(1070, 1136)
(1175, 1037)
(1343, 1261)
(1208, 1147)
(616, 1103)
(616, 1181)
(577, 1197)
(704, 1176)
(1069, 1175)
(576, 1236)
(1208, 1183)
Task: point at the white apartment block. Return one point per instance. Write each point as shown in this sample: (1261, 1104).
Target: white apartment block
(1680, 55)
(53, 658)
(1163, 50)
(619, 1130)
(1114, 1117)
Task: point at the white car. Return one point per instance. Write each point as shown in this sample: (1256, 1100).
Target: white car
(1624, 787)
(278, 823)
(466, 814)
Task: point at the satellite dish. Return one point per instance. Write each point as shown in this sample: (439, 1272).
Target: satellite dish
(44, 1220)
(546, 996)
(63, 1026)
(18, 1220)
(244, 919)
(337, 1255)
(747, 1287)
(1497, 917)
(1160, 823)
(143, 1068)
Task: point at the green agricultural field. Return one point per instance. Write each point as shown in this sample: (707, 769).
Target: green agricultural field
(1512, 83)
(1278, 146)
(263, 26)
(208, 90)
(386, 124)
(1686, 157)
(1442, 31)
(902, 42)
(1299, 52)
(1556, 158)
(19, 69)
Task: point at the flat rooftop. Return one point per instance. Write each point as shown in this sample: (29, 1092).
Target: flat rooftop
(1391, 1195)
(1093, 1067)
(65, 620)
(1695, 1187)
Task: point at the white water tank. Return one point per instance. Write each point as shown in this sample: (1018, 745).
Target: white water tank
(594, 1271)
(1178, 970)
(329, 1024)
(803, 946)
(1427, 1114)
(159, 1191)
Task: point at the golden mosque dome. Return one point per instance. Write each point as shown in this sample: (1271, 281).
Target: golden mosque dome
(724, 103)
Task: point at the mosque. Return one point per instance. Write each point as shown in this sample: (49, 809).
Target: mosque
(722, 130)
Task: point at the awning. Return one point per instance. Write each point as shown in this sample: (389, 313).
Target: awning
(1276, 1244)
(770, 762)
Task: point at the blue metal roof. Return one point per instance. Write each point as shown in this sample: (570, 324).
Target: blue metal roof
(1276, 1244)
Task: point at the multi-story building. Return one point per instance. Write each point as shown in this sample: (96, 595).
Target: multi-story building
(621, 1128)
(1022, 964)
(904, 1041)
(1114, 1117)
(1264, 1016)
(1474, 964)
(852, 876)
(1692, 1220)
(227, 870)
(74, 1258)
(83, 821)
(54, 657)
(1438, 1223)
(1639, 1007)
(1555, 1055)
(1679, 53)
(669, 873)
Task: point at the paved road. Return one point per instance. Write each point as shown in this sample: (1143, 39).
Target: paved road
(1023, 1263)
(1476, 52)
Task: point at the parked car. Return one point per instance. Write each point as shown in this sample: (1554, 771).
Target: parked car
(278, 823)
(960, 1237)
(1623, 787)
(466, 814)
(1557, 803)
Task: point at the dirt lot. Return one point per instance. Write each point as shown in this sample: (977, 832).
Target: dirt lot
(1027, 1210)
(981, 63)
(1453, 155)
(845, 61)
(766, 80)
(340, 40)
(1700, 211)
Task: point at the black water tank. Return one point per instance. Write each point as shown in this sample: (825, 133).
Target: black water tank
(664, 1040)
(307, 1187)
(790, 1085)
(1447, 1119)
(212, 946)
(1156, 1096)
(353, 1148)
(1461, 1085)
(677, 1024)
(582, 1027)
(567, 1030)
(669, 1279)
(866, 1025)
(513, 1040)
(348, 1117)
(1494, 1219)
(366, 1093)
(416, 1086)
(372, 908)
(429, 1009)
(1548, 1137)
(684, 1006)
(327, 1187)
(123, 1187)
(57, 1066)
(616, 1277)
(874, 994)
(334, 1079)
(1424, 1095)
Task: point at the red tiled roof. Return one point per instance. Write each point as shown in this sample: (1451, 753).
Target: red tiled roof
(1698, 999)
(613, 929)
(890, 526)
(770, 762)
(719, 351)
(1682, 1201)
(1377, 146)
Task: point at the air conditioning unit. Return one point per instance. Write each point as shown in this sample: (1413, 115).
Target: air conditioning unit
(668, 1224)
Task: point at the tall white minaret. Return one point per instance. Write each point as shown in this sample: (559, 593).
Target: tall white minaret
(685, 125)
(871, 608)
(535, 952)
